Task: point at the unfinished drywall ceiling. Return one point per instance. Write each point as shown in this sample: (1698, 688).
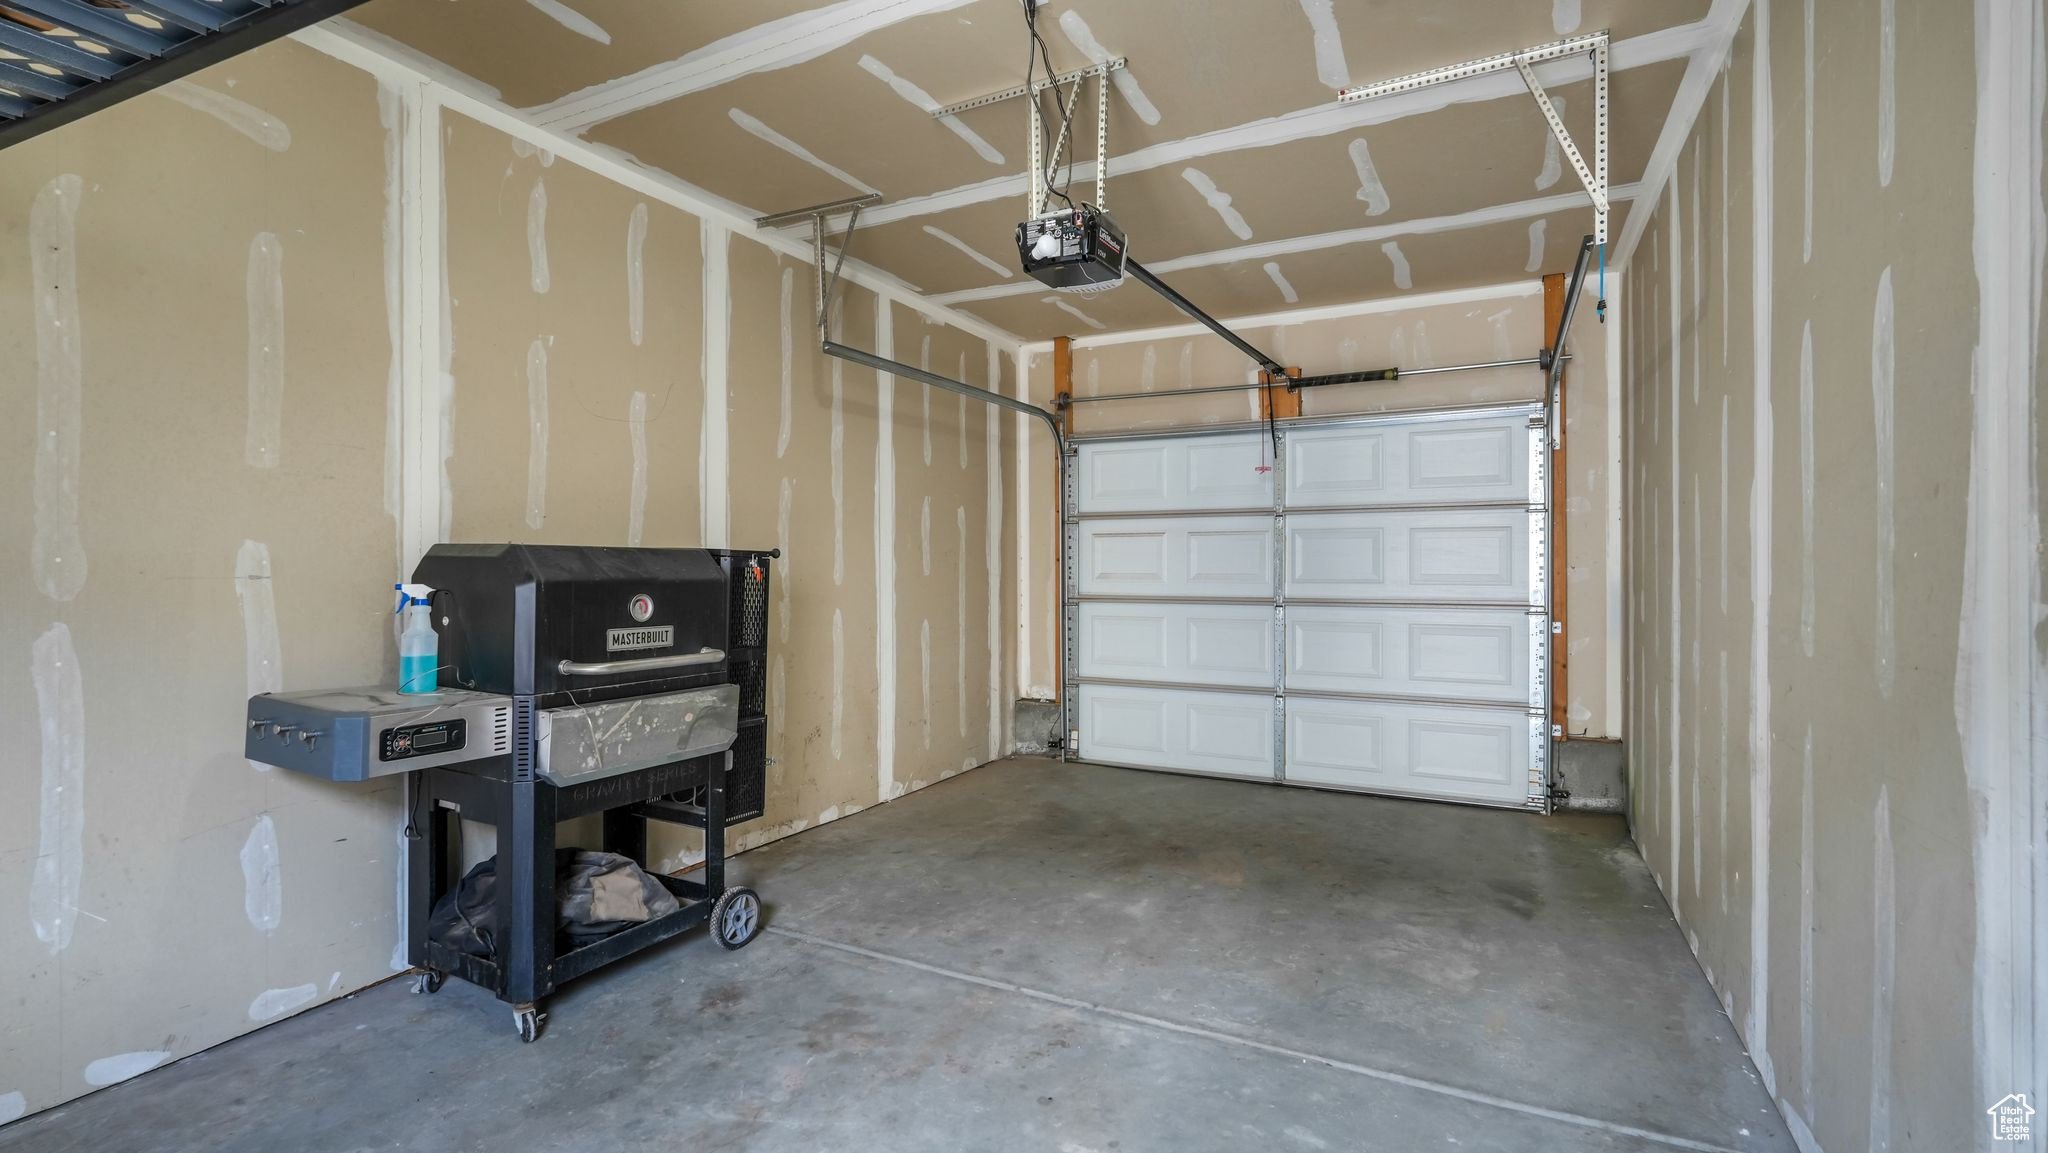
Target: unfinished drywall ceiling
(1224, 130)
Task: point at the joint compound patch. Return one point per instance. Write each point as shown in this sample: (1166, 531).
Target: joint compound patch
(1084, 40)
(1370, 188)
(636, 499)
(262, 880)
(265, 288)
(262, 654)
(1403, 277)
(636, 281)
(573, 20)
(1331, 67)
(120, 1067)
(57, 553)
(1219, 200)
(273, 1003)
(537, 433)
(782, 427)
(60, 849)
(245, 118)
(537, 234)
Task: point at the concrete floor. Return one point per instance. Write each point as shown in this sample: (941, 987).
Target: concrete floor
(1037, 956)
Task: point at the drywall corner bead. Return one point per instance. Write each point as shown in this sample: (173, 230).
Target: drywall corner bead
(1760, 505)
(54, 884)
(57, 552)
(885, 557)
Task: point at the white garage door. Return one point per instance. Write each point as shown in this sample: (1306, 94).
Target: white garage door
(1361, 611)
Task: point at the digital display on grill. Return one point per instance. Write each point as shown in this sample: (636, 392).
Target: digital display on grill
(421, 740)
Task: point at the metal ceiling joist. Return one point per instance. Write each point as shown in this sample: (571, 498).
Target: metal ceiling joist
(57, 52)
(105, 25)
(1594, 178)
(147, 44)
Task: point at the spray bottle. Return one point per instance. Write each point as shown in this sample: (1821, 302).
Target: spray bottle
(419, 647)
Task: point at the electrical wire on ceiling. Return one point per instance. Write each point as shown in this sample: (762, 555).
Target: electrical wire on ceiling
(1035, 52)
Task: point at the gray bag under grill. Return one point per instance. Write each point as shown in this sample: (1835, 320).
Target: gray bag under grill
(596, 894)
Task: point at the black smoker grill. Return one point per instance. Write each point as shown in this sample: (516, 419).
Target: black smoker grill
(576, 635)
(628, 682)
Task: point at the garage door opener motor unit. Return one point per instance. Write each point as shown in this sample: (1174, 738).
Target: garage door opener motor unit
(1073, 250)
(623, 681)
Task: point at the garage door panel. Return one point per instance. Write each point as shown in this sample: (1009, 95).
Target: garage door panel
(1408, 627)
(1177, 643)
(1423, 750)
(1230, 734)
(1448, 653)
(1229, 556)
(1434, 555)
(1188, 473)
(1470, 460)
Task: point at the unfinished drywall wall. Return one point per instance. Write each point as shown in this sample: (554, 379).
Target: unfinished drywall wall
(283, 326)
(870, 695)
(198, 493)
(1467, 328)
(626, 372)
(1805, 507)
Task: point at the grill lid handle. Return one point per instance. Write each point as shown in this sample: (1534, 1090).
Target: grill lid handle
(640, 665)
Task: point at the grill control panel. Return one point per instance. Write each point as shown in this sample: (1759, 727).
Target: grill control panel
(421, 740)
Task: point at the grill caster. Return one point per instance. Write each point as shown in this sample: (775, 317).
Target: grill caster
(428, 981)
(736, 917)
(528, 1020)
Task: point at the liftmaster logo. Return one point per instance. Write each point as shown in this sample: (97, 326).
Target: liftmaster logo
(2012, 1119)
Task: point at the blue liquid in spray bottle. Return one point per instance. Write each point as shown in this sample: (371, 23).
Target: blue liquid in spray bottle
(419, 649)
